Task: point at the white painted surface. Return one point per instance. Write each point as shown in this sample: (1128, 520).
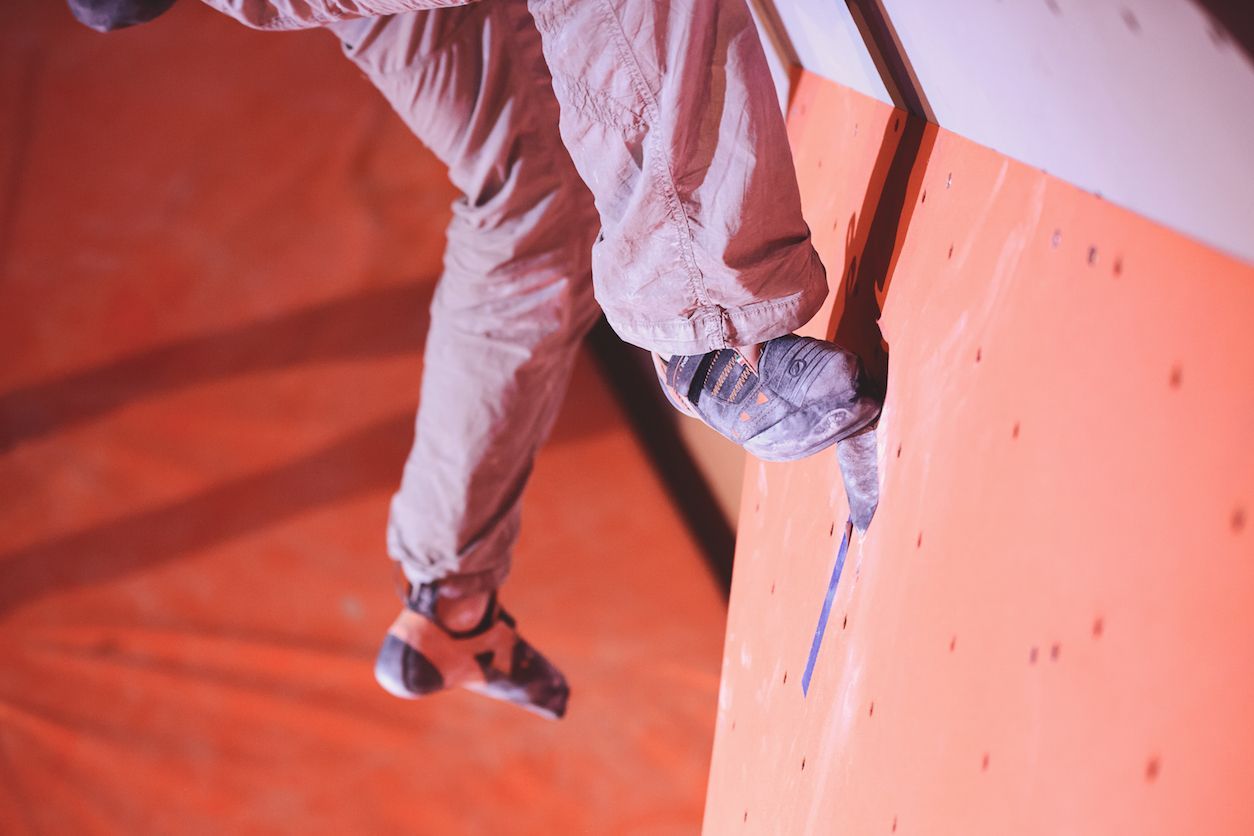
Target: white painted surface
(1137, 100)
(828, 44)
(779, 62)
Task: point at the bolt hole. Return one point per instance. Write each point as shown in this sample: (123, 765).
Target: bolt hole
(979, 354)
(1118, 267)
(1238, 520)
(1130, 20)
(953, 643)
(924, 200)
(1092, 255)
(871, 711)
(984, 763)
(831, 531)
(949, 179)
(1056, 239)
(896, 123)
(803, 764)
(1032, 654)
(899, 451)
(1098, 627)
(1054, 651)
(1014, 432)
(844, 621)
(951, 250)
(772, 588)
(918, 544)
(1176, 378)
(820, 163)
(1152, 768)
(894, 824)
(746, 818)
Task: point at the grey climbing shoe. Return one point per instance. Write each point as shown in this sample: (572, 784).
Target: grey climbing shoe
(859, 469)
(108, 15)
(805, 396)
(420, 656)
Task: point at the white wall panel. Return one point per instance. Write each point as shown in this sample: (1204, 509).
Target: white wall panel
(779, 60)
(827, 43)
(1142, 101)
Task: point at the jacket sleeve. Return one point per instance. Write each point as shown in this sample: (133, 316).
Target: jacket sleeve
(308, 14)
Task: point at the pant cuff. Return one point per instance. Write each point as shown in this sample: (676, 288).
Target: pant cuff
(712, 327)
(459, 585)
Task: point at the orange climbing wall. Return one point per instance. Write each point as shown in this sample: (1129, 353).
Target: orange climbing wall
(1049, 627)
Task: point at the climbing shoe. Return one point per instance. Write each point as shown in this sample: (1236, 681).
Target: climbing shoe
(804, 396)
(421, 656)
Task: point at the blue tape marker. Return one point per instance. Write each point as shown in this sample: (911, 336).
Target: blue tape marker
(827, 609)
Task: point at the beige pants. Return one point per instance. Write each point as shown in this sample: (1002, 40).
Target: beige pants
(664, 115)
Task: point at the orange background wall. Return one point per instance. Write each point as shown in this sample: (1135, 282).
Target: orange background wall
(1049, 627)
(217, 248)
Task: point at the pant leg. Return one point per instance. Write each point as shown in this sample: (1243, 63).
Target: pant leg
(515, 298)
(278, 15)
(668, 110)
(670, 114)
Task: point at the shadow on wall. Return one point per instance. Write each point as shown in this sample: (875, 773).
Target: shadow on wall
(1233, 20)
(378, 323)
(358, 463)
(381, 322)
(873, 241)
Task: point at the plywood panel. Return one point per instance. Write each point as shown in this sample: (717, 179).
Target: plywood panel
(1049, 627)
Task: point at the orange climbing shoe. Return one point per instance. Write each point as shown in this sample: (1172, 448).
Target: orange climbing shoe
(420, 656)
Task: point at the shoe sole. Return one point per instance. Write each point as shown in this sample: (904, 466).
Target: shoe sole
(824, 441)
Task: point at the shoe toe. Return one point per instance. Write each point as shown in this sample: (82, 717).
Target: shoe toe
(404, 672)
(804, 432)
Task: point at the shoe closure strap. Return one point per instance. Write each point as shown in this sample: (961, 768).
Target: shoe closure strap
(422, 599)
(726, 393)
(724, 375)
